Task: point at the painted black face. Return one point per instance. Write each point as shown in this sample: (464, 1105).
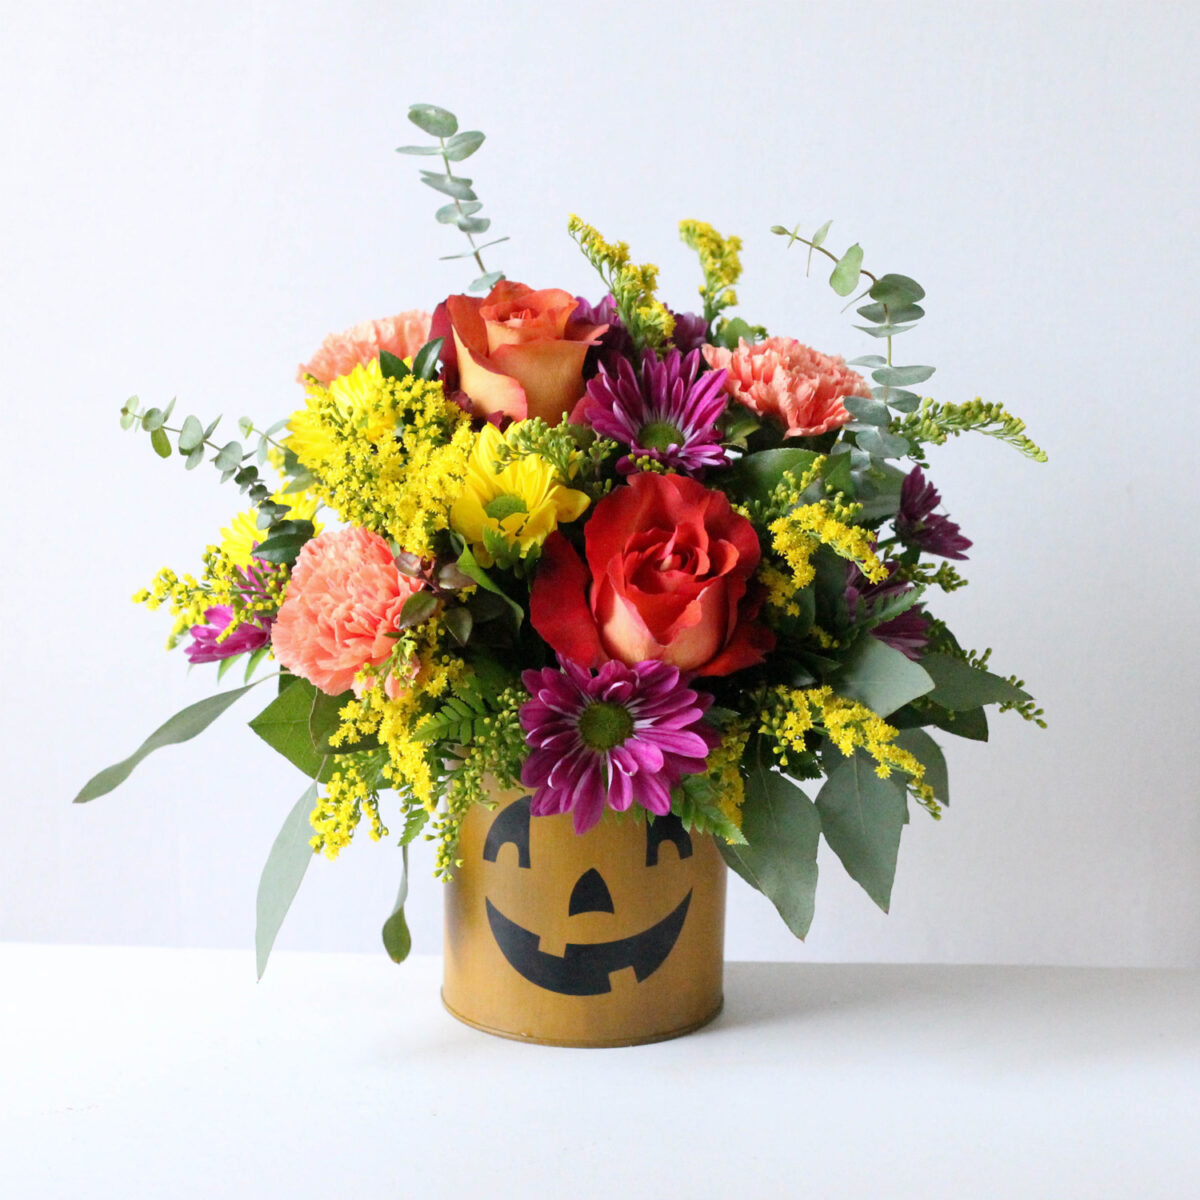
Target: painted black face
(583, 969)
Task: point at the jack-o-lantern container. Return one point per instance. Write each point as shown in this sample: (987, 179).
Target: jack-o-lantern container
(607, 938)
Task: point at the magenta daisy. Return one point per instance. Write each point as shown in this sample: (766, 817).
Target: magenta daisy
(918, 524)
(667, 411)
(622, 734)
(207, 645)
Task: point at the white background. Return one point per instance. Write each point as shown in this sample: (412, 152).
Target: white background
(195, 194)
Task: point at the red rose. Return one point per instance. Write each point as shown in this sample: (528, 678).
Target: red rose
(516, 352)
(668, 563)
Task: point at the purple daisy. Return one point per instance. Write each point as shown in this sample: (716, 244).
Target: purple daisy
(622, 734)
(667, 411)
(908, 632)
(249, 636)
(918, 524)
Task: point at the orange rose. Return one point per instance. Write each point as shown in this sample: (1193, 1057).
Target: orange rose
(516, 352)
(667, 577)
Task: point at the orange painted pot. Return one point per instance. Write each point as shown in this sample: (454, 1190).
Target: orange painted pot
(609, 938)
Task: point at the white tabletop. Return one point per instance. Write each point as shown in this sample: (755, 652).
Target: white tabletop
(144, 1073)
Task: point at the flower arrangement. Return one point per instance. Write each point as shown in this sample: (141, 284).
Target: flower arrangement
(630, 559)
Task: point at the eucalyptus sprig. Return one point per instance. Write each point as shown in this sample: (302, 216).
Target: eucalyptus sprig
(233, 460)
(463, 210)
(893, 310)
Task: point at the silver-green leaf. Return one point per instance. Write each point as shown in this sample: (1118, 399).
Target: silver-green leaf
(844, 278)
(881, 677)
(182, 727)
(435, 121)
(782, 831)
(282, 875)
(861, 818)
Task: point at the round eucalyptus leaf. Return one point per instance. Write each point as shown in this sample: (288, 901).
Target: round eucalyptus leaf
(436, 122)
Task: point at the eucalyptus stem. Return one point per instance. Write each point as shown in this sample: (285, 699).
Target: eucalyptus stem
(793, 236)
(459, 209)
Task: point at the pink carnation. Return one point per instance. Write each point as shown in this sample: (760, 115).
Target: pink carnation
(784, 379)
(340, 353)
(344, 598)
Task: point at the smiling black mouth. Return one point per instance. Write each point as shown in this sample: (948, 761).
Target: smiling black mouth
(583, 970)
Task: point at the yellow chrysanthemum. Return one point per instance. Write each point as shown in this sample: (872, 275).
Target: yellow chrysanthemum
(354, 395)
(242, 534)
(514, 508)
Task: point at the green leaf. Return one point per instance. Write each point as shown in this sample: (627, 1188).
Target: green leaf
(902, 376)
(208, 432)
(473, 251)
(881, 677)
(897, 398)
(845, 275)
(152, 419)
(255, 658)
(194, 459)
(474, 224)
(284, 546)
(884, 314)
(958, 685)
(393, 367)
(460, 623)
(426, 360)
(291, 852)
(929, 754)
(414, 821)
(397, 940)
(868, 360)
(437, 122)
(448, 185)
(868, 409)
(782, 831)
(469, 567)
(970, 723)
(485, 283)
(754, 476)
(418, 150)
(449, 214)
(161, 443)
(128, 419)
(418, 607)
(182, 727)
(225, 665)
(818, 238)
(229, 457)
(896, 290)
(191, 435)
(463, 145)
(861, 818)
(245, 426)
(885, 331)
(298, 724)
(881, 444)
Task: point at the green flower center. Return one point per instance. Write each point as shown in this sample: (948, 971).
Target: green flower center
(660, 435)
(505, 506)
(603, 725)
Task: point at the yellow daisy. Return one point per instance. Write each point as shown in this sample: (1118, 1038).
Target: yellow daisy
(513, 509)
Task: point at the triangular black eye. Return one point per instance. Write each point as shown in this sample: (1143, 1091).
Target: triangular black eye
(666, 829)
(512, 825)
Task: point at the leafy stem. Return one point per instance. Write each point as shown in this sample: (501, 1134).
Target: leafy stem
(793, 236)
(459, 209)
